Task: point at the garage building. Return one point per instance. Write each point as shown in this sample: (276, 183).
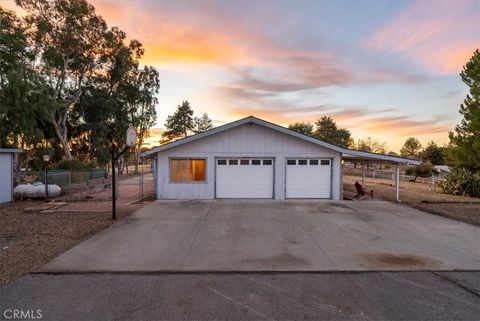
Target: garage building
(253, 158)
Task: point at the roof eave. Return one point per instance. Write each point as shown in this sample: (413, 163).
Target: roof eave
(252, 119)
(11, 150)
(366, 156)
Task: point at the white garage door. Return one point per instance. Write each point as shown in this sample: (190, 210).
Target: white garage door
(309, 178)
(244, 178)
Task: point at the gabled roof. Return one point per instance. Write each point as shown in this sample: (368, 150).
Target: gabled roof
(253, 120)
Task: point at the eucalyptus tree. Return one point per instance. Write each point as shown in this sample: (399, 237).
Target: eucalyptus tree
(69, 38)
(93, 77)
(25, 107)
(302, 128)
(123, 95)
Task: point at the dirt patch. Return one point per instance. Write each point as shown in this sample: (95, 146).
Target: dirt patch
(283, 260)
(31, 239)
(339, 205)
(329, 208)
(464, 212)
(399, 260)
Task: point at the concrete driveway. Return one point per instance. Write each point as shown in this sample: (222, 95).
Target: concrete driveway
(249, 235)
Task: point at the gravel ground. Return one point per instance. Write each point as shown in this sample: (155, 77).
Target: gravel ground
(28, 240)
(424, 197)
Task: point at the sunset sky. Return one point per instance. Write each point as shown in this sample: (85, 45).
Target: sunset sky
(386, 69)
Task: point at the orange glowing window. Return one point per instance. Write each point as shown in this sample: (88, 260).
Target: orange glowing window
(187, 170)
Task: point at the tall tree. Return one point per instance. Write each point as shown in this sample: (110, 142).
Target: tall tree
(69, 37)
(371, 145)
(411, 148)
(202, 124)
(464, 147)
(327, 131)
(70, 84)
(432, 154)
(124, 95)
(180, 123)
(302, 128)
(144, 117)
(24, 105)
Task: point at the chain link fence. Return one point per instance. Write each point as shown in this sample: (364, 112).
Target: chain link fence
(94, 184)
(390, 174)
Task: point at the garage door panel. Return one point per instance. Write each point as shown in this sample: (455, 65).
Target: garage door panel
(244, 181)
(308, 181)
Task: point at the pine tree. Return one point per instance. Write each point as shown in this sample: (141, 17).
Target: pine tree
(432, 154)
(464, 148)
(202, 124)
(327, 131)
(180, 123)
(411, 148)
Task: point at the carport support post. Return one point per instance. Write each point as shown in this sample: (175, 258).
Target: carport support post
(141, 181)
(114, 195)
(397, 183)
(363, 175)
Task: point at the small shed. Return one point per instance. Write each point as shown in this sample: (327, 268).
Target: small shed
(7, 157)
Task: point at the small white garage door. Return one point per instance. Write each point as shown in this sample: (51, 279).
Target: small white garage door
(309, 178)
(244, 178)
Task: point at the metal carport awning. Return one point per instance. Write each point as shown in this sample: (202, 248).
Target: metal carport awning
(363, 158)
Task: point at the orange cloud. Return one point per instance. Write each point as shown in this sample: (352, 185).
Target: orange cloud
(185, 46)
(170, 37)
(439, 35)
(361, 118)
(403, 125)
(393, 130)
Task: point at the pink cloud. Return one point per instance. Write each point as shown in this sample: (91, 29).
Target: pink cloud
(204, 34)
(438, 35)
(382, 122)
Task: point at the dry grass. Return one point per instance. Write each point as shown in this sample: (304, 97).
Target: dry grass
(28, 240)
(425, 197)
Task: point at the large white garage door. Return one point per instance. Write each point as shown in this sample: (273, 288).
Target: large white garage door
(244, 178)
(309, 178)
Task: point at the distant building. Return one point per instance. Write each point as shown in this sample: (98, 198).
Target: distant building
(442, 169)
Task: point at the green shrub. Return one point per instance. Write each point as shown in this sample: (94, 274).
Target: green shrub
(422, 170)
(461, 181)
(77, 165)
